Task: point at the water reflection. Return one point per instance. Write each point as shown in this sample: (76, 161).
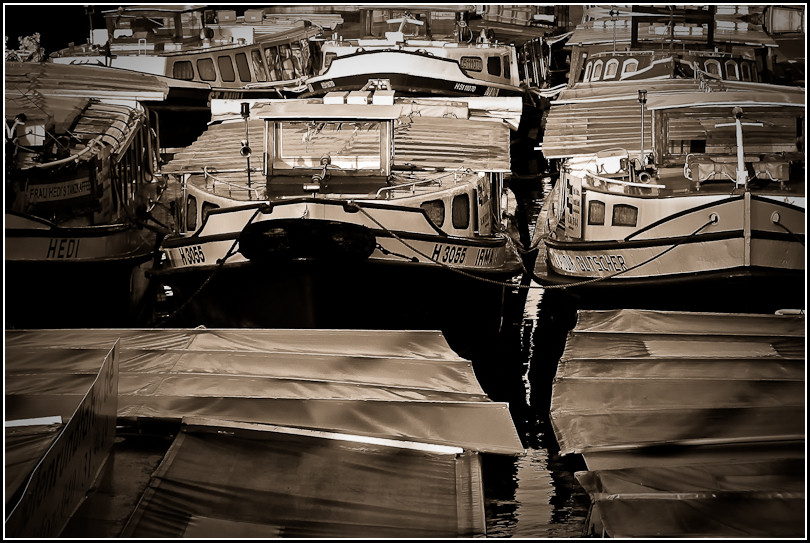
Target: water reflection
(535, 495)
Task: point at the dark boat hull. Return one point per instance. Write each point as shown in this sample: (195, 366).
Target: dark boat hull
(313, 293)
(77, 294)
(743, 290)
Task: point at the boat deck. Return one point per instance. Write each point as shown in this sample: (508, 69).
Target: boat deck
(690, 424)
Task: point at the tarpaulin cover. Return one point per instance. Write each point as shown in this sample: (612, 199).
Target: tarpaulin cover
(619, 385)
(757, 499)
(394, 384)
(224, 481)
(705, 411)
(50, 467)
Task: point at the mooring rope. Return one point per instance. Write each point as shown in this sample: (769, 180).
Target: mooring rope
(631, 268)
(789, 231)
(220, 264)
(509, 242)
(420, 253)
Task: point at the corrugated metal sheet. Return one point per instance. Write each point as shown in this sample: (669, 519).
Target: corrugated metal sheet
(424, 142)
(428, 142)
(389, 384)
(594, 117)
(64, 80)
(691, 424)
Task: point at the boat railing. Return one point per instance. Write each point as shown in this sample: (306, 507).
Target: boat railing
(412, 185)
(621, 182)
(231, 186)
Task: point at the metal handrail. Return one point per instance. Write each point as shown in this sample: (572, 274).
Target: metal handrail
(624, 183)
(404, 185)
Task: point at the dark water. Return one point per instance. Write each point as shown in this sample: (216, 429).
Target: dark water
(535, 495)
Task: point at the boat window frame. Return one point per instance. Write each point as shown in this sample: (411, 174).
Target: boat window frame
(586, 76)
(207, 208)
(612, 63)
(492, 60)
(746, 72)
(622, 222)
(229, 74)
(603, 208)
(286, 63)
(203, 72)
(597, 70)
(191, 220)
(713, 62)
(272, 66)
(243, 68)
(460, 211)
(736, 70)
(175, 74)
(258, 64)
(625, 67)
(441, 207)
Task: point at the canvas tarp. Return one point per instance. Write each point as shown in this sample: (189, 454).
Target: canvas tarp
(393, 384)
(53, 450)
(728, 499)
(686, 421)
(246, 480)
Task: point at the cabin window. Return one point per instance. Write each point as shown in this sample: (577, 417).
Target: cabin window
(434, 209)
(327, 60)
(596, 212)
(746, 72)
(507, 71)
(611, 68)
(588, 69)
(286, 62)
(625, 215)
(258, 65)
(206, 68)
(494, 66)
(732, 72)
(472, 64)
(630, 65)
(597, 70)
(242, 67)
(712, 67)
(191, 213)
(226, 68)
(183, 69)
(272, 62)
(461, 211)
(301, 58)
(207, 208)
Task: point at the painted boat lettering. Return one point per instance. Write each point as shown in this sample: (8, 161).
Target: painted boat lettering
(327, 84)
(449, 254)
(590, 263)
(191, 255)
(485, 257)
(63, 248)
(463, 87)
(58, 191)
